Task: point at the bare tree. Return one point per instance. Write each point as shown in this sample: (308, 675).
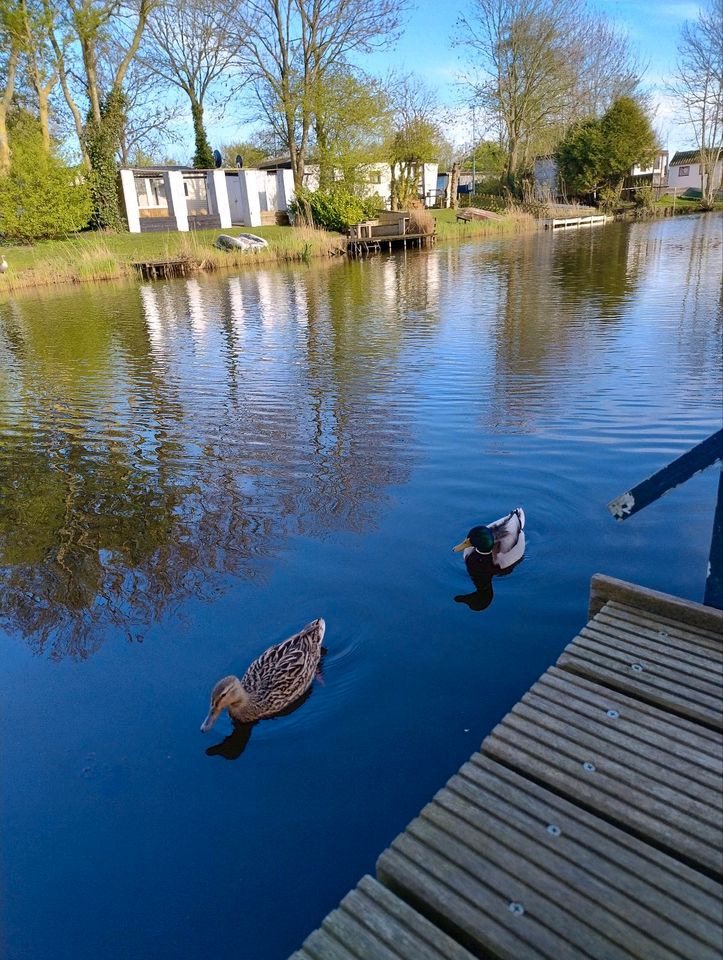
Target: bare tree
(535, 66)
(149, 118)
(95, 27)
(291, 47)
(605, 66)
(39, 61)
(520, 75)
(190, 45)
(698, 89)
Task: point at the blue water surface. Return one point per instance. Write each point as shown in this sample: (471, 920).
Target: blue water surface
(192, 470)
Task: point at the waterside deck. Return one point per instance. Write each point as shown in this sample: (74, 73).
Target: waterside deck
(589, 825)
(561, 223)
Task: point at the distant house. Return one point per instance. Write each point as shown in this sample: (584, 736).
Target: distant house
(546, 178)
(658, 169)
(182, 198)
(684, 172)
(374, 178)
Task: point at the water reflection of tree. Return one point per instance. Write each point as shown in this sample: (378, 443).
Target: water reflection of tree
(555, 298)
(149, 453)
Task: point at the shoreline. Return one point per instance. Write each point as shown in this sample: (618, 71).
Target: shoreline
(90, 258)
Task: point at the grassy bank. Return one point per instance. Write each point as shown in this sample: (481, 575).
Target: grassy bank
(449, 228)
(110, 256)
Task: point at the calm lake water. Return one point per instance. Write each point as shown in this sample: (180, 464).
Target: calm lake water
(191, 471)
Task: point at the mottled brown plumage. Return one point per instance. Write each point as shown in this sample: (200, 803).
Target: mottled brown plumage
(272, 682)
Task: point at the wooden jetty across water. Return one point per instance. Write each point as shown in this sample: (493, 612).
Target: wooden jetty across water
(588, 827)
(558, 223)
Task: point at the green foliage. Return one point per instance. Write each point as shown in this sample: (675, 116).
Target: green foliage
(41, 197)
(489, 158)
(627, 136)
(644, 198)
(580, 157)
(600, 153)
(608, 198)
(336, 209)
(102, 143)
(203, 156)
(251, 153)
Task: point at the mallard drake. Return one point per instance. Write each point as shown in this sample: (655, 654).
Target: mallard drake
(272, 682)
(491, 549)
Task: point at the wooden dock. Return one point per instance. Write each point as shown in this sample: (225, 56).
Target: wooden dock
(389, 229)
(561, 223)
(590, 825)
(163, 269)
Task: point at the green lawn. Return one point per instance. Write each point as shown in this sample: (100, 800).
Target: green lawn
(449, 228)
(106, 256)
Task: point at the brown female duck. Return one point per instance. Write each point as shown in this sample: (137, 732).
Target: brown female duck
(272, 682)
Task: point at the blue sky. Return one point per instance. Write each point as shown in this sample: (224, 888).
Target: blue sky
(426, 49)
(653, 28)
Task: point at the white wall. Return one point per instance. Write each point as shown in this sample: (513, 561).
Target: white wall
(694, 178)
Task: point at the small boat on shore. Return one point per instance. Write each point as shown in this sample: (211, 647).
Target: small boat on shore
(244, 241)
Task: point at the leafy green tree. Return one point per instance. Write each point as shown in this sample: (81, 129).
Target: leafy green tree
(579, 157)
(41, 196)
(351, 123)
(598, 154)
(416, 138)
(251, 153)
(292, 48)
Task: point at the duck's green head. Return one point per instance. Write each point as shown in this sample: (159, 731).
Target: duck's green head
(480, 538)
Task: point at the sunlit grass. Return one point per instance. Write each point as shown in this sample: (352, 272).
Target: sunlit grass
(449, 228)
(108, 256)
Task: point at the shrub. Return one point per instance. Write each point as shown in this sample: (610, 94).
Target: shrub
(644, 198)
(336, 209)
(41, 197)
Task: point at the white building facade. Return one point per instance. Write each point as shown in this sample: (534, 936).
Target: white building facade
(685, 173)
(159, 199)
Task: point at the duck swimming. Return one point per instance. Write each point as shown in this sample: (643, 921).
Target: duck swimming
(494, 549)
(272, 682)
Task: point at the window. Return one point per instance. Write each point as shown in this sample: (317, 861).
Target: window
(375, 176)
(683, 171)
(159, 192)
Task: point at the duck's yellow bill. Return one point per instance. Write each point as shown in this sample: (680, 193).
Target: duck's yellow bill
(462, 546)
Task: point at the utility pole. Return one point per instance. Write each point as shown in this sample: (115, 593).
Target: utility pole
(474, 154)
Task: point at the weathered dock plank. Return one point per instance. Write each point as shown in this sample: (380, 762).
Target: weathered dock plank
(671, 801)
(649, 657)
(372, 923)
(686, 612)
(590, 827)
(513, 870)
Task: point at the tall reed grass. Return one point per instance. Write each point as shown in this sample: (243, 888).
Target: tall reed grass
(93, 257)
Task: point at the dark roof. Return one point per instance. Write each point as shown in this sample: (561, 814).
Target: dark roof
(685, 156)
(279, 163)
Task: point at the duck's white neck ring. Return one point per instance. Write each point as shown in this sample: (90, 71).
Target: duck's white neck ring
(483, 553)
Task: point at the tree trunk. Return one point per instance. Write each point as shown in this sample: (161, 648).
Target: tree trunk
(5, 102)
(43, 116)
